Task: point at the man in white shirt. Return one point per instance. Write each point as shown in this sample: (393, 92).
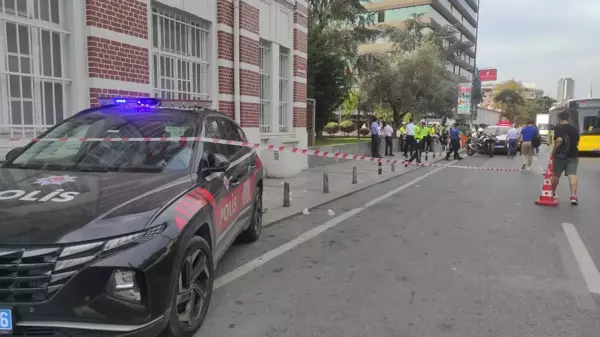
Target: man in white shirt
(388, 131)
(513, 139)
(410, 138)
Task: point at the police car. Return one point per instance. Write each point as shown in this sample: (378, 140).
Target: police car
(120, 237)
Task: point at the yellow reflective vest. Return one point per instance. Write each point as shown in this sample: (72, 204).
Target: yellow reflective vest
(432, 131)
(420, 132)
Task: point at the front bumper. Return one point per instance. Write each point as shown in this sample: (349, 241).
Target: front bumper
(84, 307)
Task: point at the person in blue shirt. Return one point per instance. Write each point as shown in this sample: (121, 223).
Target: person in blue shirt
(375, 136)
(528, 134)
(454, 143)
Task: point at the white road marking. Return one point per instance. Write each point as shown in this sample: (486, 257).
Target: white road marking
(270, 255)
(586, 264)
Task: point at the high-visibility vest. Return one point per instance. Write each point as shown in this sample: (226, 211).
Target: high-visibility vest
(420, 132)
(432, 131)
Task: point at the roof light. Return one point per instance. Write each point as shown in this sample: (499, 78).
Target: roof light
(155, 102)
(143, 101)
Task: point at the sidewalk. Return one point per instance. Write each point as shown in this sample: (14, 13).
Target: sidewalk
(307, 187)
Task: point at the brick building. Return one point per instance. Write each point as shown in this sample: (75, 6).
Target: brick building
(60, 56)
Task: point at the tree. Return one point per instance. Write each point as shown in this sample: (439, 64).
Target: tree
(335, 29)
(414, 81)
(509, 99)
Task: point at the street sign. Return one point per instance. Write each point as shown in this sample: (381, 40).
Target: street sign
(486, 75)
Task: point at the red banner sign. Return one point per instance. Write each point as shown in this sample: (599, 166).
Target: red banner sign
(488, 75)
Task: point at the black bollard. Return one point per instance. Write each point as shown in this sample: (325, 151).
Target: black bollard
(286, 195)
(325, 182)
(354, 175)
(380, 168)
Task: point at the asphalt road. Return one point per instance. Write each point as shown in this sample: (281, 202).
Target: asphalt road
(436, 252)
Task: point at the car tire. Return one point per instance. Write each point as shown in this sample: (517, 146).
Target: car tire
(189, 288)
(252, 233)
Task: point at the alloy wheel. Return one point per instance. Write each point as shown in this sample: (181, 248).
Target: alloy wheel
(193, 288)
(258, 214)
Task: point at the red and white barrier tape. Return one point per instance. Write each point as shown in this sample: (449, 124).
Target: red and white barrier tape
(302, 151)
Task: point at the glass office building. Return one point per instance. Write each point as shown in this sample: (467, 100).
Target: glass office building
(462, 14)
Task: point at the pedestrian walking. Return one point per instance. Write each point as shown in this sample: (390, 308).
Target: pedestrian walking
(375, 136)
(513, 140)
(388, 132)
(410, 138)
(565, 155)
(454, 143)
(418, 145)
(528, 133)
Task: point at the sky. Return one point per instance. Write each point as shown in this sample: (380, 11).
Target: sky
(540, 41)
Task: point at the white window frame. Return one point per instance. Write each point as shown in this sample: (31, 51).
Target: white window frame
(266, 91)
(181, 55)
(284, 89)
(29, 21)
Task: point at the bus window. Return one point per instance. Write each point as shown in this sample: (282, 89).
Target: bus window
(590, 123)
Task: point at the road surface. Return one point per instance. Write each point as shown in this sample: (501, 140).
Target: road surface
(436, 252)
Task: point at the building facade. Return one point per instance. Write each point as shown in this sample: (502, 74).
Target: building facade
(463, 14)
(529, 92)
(566, 89)
(246, 58)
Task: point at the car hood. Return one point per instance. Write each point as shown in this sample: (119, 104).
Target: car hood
(42, 207)
(501, 137)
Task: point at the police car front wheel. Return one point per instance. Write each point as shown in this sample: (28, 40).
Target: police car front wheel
(193, 290)
(252, 233)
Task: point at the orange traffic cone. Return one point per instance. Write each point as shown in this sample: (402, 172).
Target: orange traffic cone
(547, 199)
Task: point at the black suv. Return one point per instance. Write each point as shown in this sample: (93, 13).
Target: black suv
(111, 224)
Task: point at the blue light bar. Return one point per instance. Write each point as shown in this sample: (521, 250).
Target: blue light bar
(142, 101)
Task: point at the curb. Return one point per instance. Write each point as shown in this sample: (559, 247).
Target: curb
(341, 194)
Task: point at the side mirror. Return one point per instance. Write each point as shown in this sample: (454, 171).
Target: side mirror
(212, 163)
(14, 153)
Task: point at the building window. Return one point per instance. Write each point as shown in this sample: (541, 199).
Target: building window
(180, 56)
(265, 86)
(284, 85)
(34, 83)
(381, 16)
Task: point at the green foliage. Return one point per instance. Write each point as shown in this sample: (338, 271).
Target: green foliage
(413, 76)
(347, 127)
(510, 99)
(350, 104)
(336, 27)
(332, 128)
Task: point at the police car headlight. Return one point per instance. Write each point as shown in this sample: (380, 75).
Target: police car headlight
(130, 240)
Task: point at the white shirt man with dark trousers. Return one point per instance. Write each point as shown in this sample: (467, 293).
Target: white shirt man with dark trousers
(410, 138)
(388, 132)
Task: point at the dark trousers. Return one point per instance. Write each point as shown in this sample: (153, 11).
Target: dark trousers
(416, 149)
(454, 147)
(512, 147)
(429, 144)
(375, 146)
(408, 145)
(389, 146)
(401, 142)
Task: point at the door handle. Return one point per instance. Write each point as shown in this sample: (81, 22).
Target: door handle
(234, 183)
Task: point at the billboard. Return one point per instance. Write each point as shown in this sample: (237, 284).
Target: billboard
(486, 75)
(464, 99)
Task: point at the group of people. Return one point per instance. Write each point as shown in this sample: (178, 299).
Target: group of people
(414, 139)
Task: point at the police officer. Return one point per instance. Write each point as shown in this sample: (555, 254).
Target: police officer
(401, 134)
(420, 132)
(454, 143)
(430, 138)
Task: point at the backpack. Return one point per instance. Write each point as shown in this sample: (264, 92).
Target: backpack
(537, 139)
(562, 152)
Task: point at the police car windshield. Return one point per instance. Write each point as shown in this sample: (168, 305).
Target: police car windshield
(122, 156)
(496, 130)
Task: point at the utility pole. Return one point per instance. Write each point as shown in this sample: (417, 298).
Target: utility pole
(476, 71)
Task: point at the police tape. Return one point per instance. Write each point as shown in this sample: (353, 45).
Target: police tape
(271, 147)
